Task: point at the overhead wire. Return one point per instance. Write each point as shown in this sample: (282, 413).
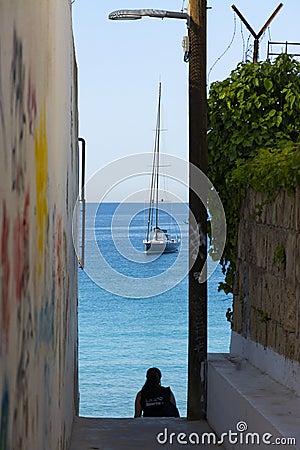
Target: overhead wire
(270, 39)
(248, 48)
(226, 50)
(243, 41)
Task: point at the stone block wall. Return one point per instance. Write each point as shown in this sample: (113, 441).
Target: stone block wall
(38, 190)
(267, 284)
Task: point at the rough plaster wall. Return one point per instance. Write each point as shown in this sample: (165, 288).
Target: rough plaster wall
(38, 188)
(267, 289)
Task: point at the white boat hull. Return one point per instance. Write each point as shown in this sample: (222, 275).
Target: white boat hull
(156, 246)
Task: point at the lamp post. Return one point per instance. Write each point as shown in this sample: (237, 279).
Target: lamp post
(197, 353)
(135, 14)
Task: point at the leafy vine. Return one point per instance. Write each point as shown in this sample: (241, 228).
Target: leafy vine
(253, 139)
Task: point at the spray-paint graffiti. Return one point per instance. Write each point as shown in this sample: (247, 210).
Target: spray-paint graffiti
(59, 250)
(2, 117)
(21, 249)
(4, 419)
(45, 323)
(18, 114)
(31, 106)
(37, 316)
(5, 274)
(17, 77)
(41, 176)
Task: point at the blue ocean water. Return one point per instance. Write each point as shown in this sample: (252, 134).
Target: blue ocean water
(120, 337)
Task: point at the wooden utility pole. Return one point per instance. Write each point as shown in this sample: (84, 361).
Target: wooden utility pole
(197, 353)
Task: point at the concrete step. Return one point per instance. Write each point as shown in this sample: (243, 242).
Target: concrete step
(248, 402)
(141, 434)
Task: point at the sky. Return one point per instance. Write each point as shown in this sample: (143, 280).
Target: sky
(120, 64)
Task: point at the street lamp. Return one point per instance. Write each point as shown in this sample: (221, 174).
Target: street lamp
(135, 14)
(197, 353)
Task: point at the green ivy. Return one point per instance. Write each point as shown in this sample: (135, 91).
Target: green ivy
(269, 170)
(263, 315)
(279, 255)
(253, 139)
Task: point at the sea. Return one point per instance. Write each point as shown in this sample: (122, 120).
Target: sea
(133, 309)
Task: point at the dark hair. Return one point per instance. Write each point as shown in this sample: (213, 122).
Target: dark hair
(153, 377)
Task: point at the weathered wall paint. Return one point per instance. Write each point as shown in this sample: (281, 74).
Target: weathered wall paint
(38, 190)
(267, 282)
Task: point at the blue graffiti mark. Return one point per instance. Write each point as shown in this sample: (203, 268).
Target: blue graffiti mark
(2, 118)
(1, 95)
(46, 325)
(67, 193)
(18, 74)
(4, 420)
(47, 383)
(45, 321)
(18, 77)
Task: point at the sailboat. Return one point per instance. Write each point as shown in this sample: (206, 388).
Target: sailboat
(157, 239)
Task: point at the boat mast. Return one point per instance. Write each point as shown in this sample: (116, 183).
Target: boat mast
(157, 152)
(155, 173)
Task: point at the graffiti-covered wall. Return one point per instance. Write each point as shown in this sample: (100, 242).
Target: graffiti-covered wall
(38, 189)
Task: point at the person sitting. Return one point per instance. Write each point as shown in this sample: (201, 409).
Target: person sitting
(154, 400)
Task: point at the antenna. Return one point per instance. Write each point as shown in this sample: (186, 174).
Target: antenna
(258, 35)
